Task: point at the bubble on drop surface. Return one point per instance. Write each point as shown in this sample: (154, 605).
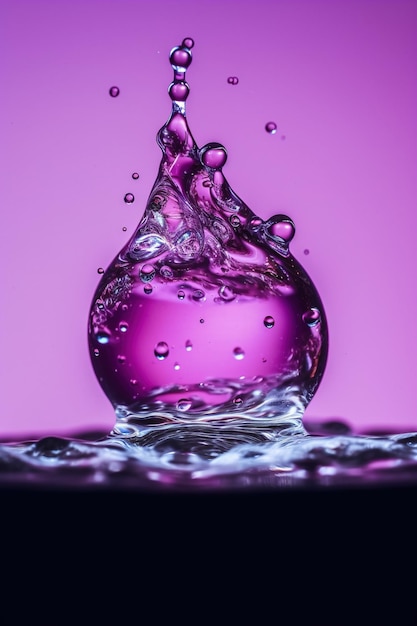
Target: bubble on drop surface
(198, 295)
(148, 289)
(181, 294)
(129, 198)
(147, 273)
(233, 80)
(202, 321)
(166, 271)
(188, 42)
(271, 128)
(226, 293)
(184, 404)
(102, 337)
(312, 316)
(135, 175)
(269, 321)
(114, 91)
(188, 345)
(239, 354)
(161, 350)
(213, 155)
(100, 270)
(123, 327)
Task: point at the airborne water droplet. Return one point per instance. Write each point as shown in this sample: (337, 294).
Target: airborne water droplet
(114, 91)
(239, 354)
(188, 345)
(148, 289)
(271, 128)
(181, 294)
(100, 270)
(135, 175)
(129, 198)
(188, 42)
(161, 350)
(124, 229)
(233, 80)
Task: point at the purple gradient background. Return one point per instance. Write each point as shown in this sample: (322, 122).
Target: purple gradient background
(338, 78)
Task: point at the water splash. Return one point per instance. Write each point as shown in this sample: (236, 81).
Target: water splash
(210, 340)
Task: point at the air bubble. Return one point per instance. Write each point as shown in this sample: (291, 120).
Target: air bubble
(269, 321)
(181, 294)
(129, 198)
(102, 337)
(161, 350)
(147, 289)
(239, 354)
(226, 293)
(233, 80)
(271, 128)
(147, 273)
(183, 404)
(166, 271)
(198, 295)
(312, 316)
(235, 221)
(114, 91)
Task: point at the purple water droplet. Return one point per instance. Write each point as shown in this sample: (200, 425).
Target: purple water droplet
(235, 221)
(180, 58)
(124, 229)
(100, 270)
(181, 294)
(123, 327)
(282, 227)
(188, 345)
(306, 251)
(233, 80)
(188, 42)
(179, 91)
(198, 295)
(239, 354)
(213, 155)
(177, 367)
(148, 289)
(271, 128)
(161, 350)
(129, 198)
(135, 175)
(269, 321)
(202, 320)
(114, 91)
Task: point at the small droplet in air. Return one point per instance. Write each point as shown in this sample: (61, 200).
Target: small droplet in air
(147, 273)
(271, 128)
(114, 91)
(161, 350)
(183, 404)
(135, 175)
(100, 270)
(201, 321)
(103, 337)
(233, 80)
(269, 321)
(306, 251)
(123, 327)
(239, 354)
(312, 316)
(188, 345)
(188, 42)
(129, 198)
(179, 91)
(124, 229)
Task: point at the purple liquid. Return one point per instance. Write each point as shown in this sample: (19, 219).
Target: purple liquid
(205, 316)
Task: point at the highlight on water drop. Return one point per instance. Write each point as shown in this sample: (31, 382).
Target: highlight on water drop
(100, 270)
(271, 128)
(239, 354)
(114, 91)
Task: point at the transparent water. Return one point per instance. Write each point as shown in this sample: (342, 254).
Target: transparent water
(209, 339)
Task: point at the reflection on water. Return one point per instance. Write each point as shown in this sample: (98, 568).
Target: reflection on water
(326, 454)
